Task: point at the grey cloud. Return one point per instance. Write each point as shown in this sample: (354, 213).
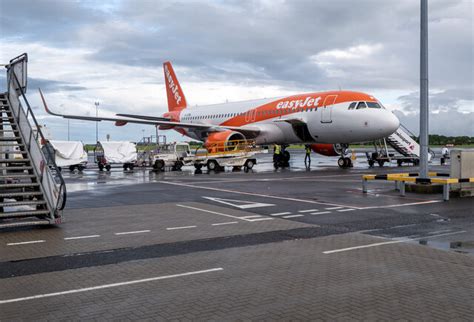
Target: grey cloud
(53, 86)
(446, 100)
(449, 123)
(52, 21)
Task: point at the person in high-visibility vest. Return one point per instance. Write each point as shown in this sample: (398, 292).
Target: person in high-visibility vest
(307, 157)
(276, 153)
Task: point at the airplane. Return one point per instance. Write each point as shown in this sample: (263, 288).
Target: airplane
(329, 121)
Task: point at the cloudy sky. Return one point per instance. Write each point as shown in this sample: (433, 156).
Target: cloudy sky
(81, 52)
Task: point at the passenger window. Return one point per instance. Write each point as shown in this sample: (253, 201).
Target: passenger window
(352, 106)
(373, 105)
(361, 105)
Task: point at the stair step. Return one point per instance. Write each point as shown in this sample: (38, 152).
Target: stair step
(10, 138)
(24, 223)
(18, 185)
(12, 144)
(20, 194)
(14, 160)
(17, 168)
(18, 175)
(22, 203)
(24, 213)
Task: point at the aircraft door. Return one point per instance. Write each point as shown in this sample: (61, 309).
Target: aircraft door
(326, 112)
(250, 115)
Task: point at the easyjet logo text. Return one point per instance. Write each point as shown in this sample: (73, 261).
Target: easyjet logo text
(172, 86)
(294, 104)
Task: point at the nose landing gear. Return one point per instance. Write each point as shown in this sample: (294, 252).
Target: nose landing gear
(344, 162)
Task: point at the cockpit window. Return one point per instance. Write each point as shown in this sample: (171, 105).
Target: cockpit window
(352, 106)
(373, 105)
(361, 105)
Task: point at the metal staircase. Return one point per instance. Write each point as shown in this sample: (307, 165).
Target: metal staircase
(32, 190)
(402, 142)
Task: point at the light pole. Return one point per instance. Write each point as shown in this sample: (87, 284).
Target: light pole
(424, 104)
(96, 122)
(68, 136)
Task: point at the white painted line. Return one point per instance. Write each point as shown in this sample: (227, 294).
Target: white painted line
(400, 205)
(362, 246)
(261, 219)
(100, 287)
(344, 210)
(183, 227)
(254, 194)
(333, 208)
(248, 217)
(320, 213)
(292, 216)
(213, 212)
(242, 204)
(308, 210)
(402, 240)
(133, 232)
(81, 237)
(280, 214)
(225, 223)
(26, 243)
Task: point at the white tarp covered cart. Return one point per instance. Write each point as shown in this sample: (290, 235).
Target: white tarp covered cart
(69, 154)
(116, 152)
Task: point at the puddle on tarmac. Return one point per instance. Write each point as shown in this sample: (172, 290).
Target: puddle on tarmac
(464, 247)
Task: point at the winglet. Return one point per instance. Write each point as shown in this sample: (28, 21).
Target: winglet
(46, 105)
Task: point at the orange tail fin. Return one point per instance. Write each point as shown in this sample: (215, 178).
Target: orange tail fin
(176, 99)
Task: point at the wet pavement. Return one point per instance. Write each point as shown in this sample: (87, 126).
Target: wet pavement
(291, 243)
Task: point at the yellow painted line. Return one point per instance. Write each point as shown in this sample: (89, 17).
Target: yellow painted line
(368, 176)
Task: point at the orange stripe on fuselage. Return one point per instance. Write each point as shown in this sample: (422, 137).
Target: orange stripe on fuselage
(270, 110)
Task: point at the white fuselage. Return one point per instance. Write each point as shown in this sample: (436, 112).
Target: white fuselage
(283, 123)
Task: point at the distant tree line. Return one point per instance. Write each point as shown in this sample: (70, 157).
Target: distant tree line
(435, 139)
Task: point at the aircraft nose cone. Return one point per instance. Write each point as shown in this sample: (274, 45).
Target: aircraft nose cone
(392, 123)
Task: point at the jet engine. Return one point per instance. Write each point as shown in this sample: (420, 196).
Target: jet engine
(330, 150)
(224, 141)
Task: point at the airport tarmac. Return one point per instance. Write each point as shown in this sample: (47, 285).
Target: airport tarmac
(277, 245)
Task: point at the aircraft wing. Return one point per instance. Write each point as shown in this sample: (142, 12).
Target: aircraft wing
(119, 121)
(291, 120)
(145, 117)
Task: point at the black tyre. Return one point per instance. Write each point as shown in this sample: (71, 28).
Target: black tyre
(341, 162)
(71, 168)
(348, 162)
(212, 165)
(131, 166)
(286, 156)
(249, 164)
(101, 167)
(80, 168)
(198, 166)
(108, 167)
(159, 165)
(399, 163)
(381, 163)
(125, 167)
(371, 163)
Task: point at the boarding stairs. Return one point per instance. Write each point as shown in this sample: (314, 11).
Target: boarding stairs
(32, 190)
(402, 142)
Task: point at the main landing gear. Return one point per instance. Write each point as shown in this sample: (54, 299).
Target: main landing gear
(344, 162)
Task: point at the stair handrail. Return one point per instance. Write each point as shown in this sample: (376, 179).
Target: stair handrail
(51, 163)
(408, 131)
